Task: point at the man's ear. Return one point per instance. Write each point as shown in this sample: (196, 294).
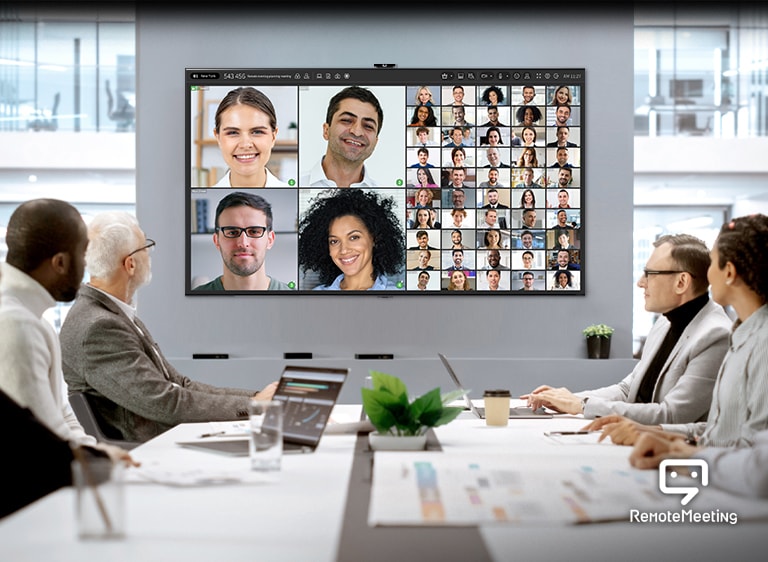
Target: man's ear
(129, 264)
(60, 262)
(684, 283)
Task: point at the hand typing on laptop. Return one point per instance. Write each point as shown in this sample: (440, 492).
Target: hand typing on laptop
(558, 399)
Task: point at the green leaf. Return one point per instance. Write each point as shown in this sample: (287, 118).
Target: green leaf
(453, 395)
(378, 407)
(448, 415)
(390, 412)
(427, 407)
(393, 385)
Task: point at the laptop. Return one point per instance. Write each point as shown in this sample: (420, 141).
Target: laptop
(308, 395)
(520, 412)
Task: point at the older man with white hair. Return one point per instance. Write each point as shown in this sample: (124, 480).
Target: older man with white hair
(109, 354)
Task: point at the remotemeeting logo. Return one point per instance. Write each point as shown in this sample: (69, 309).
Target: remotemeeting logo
(671, 482)
(695, 468)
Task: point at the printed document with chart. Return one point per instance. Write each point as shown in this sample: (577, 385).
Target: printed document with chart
(432, 489)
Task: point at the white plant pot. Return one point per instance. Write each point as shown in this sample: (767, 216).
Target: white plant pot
(396, 443)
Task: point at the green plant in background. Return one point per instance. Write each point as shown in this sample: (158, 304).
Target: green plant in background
(599, 330)
(392, 413)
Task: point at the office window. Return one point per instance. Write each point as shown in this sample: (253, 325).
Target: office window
(701, 74)
(67, 81)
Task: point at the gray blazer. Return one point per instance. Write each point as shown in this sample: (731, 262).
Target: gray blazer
(683, 391)
(130, 385)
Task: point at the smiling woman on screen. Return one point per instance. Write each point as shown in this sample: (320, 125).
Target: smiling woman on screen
(353, 240)
(246, 128)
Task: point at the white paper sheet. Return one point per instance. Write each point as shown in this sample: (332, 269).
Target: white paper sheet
(453, 489)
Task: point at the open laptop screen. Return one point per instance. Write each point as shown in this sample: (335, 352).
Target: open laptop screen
(308, 395)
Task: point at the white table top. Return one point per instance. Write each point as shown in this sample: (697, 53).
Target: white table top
(300, 516)
(297, 517)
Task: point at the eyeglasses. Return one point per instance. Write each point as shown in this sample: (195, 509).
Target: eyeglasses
(149, 246)
(648, 272)
(236, 232)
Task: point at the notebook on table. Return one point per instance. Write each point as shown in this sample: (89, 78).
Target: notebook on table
(519, 412)
(308, 395)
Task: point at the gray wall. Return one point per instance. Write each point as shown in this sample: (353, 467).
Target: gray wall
(543, 334)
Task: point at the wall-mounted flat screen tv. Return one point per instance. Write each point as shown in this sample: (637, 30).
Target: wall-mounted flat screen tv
(401, 181)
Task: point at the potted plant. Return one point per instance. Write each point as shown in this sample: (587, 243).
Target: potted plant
(402, 423)
(598, 340)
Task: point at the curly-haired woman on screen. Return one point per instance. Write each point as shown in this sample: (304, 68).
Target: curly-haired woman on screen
(353, 240)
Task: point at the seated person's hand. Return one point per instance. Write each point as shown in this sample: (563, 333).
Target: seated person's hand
(558, 399)
(621, 430)
(267, 392)
(534, 391)
(653, 447)
(117, 454)
(598, 423)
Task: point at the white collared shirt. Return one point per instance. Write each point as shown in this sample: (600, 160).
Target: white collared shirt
(317, 178)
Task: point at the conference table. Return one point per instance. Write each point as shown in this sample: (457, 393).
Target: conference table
(185, 504)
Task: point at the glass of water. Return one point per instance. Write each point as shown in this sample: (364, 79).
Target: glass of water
(266, 432)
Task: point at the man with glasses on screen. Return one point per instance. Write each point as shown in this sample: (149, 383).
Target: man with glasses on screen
(109, 354)
(243, 236)
(673, 381)
(527, 282)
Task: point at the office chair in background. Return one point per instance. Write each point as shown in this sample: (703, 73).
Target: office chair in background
(86, 417)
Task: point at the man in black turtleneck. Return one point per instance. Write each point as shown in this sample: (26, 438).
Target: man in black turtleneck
(673, 381)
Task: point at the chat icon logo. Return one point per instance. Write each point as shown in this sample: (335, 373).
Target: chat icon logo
(689, 492)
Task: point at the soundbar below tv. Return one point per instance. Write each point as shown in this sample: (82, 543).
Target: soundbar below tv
(386, 181)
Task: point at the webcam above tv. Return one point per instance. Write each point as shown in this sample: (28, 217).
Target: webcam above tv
(385, 181)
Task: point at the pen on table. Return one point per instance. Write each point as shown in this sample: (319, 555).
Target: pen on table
(214, 434)
(568, 432)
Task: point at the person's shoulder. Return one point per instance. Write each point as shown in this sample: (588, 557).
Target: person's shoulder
(277, 285)
(274, 181)
(214, 285)
(334, 286)
(384, 283)
(224, 181)
(713, 313)
(90, 302)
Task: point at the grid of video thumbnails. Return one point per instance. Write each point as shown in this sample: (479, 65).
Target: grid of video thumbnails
(463, 181)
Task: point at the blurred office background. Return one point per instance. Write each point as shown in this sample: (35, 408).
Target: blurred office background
(68, 106)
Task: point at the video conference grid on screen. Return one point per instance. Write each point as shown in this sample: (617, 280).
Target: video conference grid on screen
(404, 181)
